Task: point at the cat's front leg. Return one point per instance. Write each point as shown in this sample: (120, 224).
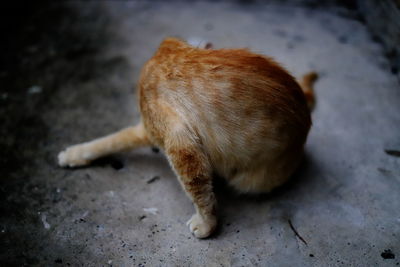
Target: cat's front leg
(74, 156)
(194, 172)
(83, 154)
(200, 226)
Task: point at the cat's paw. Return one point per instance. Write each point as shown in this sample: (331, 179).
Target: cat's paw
(72, 157)
(200, 227)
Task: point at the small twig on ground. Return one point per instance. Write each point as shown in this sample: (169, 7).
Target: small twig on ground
(392, 152)
(295, 232)
(152, 180)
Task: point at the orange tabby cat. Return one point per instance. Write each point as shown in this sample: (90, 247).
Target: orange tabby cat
(227, 111)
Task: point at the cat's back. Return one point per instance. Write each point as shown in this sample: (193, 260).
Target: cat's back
(235, 82)
(229, 97)
(179, 66)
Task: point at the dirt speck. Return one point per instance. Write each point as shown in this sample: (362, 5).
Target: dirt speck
(392, 152)
(387, 254)
(343, 39)
(384, 171)
(280, 33)
(208, 27)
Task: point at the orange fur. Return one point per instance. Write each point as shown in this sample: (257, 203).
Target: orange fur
(228, 111)
(307, 86)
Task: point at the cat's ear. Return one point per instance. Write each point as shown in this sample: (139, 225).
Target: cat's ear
(173, 43)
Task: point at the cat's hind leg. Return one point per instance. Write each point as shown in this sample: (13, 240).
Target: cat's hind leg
(83, 154)
(194, 172)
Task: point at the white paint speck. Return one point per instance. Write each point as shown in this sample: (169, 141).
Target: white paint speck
(151, 210)
(109, 262)
(80, 217)
(85, 214)
(35, 90)
(44, 221)
(197, 42)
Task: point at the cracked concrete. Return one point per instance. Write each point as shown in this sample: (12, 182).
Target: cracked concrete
(70, 78)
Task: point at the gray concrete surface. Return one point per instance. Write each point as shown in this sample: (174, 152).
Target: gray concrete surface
(71, 78)
(383, 20)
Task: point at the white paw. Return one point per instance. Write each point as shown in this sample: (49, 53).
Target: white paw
(72, 157)
(200, 227)
(62, 159)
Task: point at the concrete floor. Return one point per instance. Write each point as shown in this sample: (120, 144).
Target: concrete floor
(71, 77)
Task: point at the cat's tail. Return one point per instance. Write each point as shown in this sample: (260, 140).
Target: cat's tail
(306, 84)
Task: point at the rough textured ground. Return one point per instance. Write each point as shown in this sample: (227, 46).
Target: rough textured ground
(69, 77)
